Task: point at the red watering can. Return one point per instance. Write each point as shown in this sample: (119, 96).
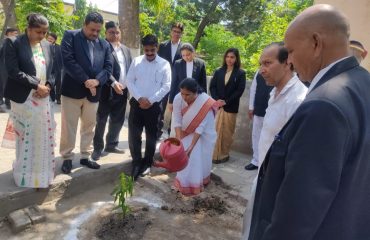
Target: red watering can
(173, 155)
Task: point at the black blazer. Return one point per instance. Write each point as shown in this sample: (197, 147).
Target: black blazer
(78, 68)
(21, 67)
(107, 91)
(314, 182)
(164, 51)
(232, 91)
(179, 74)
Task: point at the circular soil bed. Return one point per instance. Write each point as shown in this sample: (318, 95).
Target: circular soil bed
(159, 213)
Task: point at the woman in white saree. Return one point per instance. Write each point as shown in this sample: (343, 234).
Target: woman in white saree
(193, 119)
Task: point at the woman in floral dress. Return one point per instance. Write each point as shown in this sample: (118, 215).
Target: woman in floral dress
(29, 62)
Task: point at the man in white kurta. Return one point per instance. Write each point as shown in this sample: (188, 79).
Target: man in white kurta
(285, 97)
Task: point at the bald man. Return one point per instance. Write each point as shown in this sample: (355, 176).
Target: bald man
(314, 182)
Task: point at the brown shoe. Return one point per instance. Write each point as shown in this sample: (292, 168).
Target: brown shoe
(223, 160)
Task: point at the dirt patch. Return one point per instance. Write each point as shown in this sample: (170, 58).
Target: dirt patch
(118, 227)
(157, 215)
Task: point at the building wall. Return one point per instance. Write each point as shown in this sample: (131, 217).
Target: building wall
(358, 13)
(108, 16)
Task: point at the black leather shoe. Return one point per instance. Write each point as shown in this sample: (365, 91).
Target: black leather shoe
(96, 155)
(135, 172)
(89, 163)
(114, 150)
(59, 102)
(250, 167)
(67, 166)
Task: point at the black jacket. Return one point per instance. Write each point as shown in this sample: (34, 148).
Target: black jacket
(232, 91)
(107, 91)
(164, 51)
(78, 68)
(179, 74)
(21, 67)
(314, 182)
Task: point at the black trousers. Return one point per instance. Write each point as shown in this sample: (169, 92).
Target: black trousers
(163, 104)
(114, 108)
(56, 90)
(137, 120)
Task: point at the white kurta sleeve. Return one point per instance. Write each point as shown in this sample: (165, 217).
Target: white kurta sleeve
(252, 92)
(176, 113)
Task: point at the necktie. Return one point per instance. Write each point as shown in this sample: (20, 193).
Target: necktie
(91, 51)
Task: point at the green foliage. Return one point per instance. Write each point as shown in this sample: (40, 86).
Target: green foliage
(273, 26)
(122, 190)
(53, 10)
(156, 16)
(214, 44)
(80, 11)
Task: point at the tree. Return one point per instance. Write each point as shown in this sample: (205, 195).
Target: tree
(128, 17)
(9, 12)
(80, 10)
(273, 26)
(240, 16)
(129, 20)
(53, 10)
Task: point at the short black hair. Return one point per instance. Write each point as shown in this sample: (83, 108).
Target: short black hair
(94, 17)
(53, 35)
(237, 56)
(191, 85)
(36, 20)
(111, 24)
(10, 30)
(149, 39)
(178, 25)
(282, 55)
(187, 46)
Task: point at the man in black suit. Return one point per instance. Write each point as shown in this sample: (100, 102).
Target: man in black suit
(10, 32)
(170, 50)
(314, 182)
(87, 63)
(113, 97)
(58, 61)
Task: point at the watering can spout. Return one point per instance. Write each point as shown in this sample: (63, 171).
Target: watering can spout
(160, 164)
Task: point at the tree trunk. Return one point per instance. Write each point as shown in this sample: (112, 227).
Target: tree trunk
(128, 17)
(10, 18)
(203, 24)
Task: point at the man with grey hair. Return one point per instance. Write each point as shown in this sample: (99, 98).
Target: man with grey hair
(313, 184)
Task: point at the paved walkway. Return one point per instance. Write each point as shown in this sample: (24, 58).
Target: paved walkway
(232, 172)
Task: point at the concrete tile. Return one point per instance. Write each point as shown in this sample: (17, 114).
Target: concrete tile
(35, 214)
(19, 220)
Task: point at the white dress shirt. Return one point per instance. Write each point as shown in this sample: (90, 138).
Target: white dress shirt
(174, 47)
(151, 80)
(189, 69)
(252, 92)
(122, 65)
(278, 112)
(321, 73)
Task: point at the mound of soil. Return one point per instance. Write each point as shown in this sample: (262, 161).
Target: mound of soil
(213, 214)
(211, 205)
(117, 226)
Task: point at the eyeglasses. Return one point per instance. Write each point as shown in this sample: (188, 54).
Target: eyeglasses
(149, 50)
(113, 33)
(176, 31)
